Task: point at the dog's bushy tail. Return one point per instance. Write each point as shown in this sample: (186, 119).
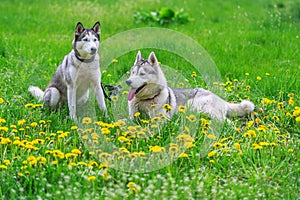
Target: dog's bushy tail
(36, 92)
(240, 109)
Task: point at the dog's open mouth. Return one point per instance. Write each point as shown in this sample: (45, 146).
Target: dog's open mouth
(134, 91)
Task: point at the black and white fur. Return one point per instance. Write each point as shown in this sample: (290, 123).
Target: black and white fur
(149, 92)
(78, 72)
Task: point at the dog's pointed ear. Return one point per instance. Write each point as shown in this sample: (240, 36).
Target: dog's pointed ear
(138, 57)
(96, 28)
(152, 59)
(79, 28)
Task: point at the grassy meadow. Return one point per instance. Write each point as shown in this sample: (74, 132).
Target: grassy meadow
(253, 44)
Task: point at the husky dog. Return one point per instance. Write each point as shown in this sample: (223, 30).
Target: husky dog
(150, 92)
(78, 72)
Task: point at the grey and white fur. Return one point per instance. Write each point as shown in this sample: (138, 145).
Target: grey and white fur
(149, 92)
(78, 72)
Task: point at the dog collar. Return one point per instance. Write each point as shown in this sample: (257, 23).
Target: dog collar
(85, 60)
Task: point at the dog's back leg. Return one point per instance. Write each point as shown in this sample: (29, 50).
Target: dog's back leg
(51, 97)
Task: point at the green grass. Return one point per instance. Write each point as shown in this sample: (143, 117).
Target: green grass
(254, 44)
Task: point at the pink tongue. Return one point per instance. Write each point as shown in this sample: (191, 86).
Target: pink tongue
(131, 94)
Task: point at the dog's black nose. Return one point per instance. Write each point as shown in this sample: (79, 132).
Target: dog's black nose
(128, 82)
(93, 50)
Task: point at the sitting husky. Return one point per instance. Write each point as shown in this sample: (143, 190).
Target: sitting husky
(78, 72)
(150, 92)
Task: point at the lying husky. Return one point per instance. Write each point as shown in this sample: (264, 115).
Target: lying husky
(78, 72)
(149, 93)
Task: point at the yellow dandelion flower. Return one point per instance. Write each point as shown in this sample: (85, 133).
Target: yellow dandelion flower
(156, 149)
(247, 74)
(123, 139)
(184, 138)
(3, 167)
(76, 151)
(264, 143)
(167, 107)
(5, 140)
(211, 136)
(183, 155)
(1, 100)
(21, 122)
(155, 119)
(71, 164)
(37, 105)
(114, 98)
(250, 123)
(54, 162)
(273, 144)
(105, 131)
(86, 120)
(211, 154)
(188, 145)
(194, 74)
(191, 118)
(28, 105)
(74, 127)
(257, 146)
(240, 153)
(298, 119)
(33, 124)
(182, 109)
(290, 150)
(296, 112)
(173, 148)
(137, 114)
(292, 101)
(3, 128)
(262, 128)
(217, 145)
(133, 187)
(2, 121)
(238, 130)
(120, 123)
(248, 87)
(258, 78)
(91, 178)
(276, 118)
(69, 155)
(252, 133)
(115, 61)
(7, 162)
(211, 161)
(205, 122)
(103, 165)
(105, 175)
(144, 121)
(237, 146)
(267, 101)
(82, 163)
(42, 121)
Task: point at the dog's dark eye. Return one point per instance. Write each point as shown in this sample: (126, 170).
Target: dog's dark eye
(142, 74)
(85, 39)
(95, 40)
